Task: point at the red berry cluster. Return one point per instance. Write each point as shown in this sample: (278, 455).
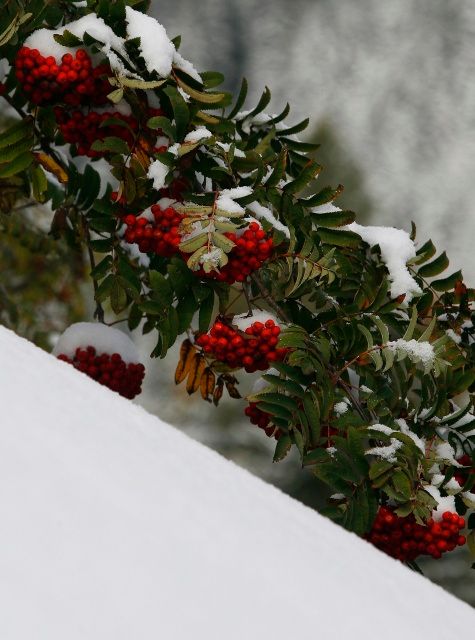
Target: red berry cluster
(160, 236)
(84, 129)
(262, 420)
(252, 349)
(404, 539)
(73, 81)
(252, 249)
(461, 475)
(109, 370)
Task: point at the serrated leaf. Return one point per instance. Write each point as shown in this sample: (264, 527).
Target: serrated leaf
(180, 111)
(333, 218)
(435, 267)
(448, 283)
(19, 164)
(111, 144)
(201, 96)
(339, 237)
(284, 443)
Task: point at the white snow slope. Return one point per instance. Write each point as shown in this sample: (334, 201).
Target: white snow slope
(113, 525)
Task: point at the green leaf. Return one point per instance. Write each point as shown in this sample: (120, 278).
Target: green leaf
(20, 163)
(160, 122)
(201, 96)
(282, 448)
(206, 313)
(448, 283)
(327, 194)
(333, 218)
(309, 173)
(10, 152)
(112, 144)
(16, 132)
(312, 411)
(212, 78)
(180, 111)
(435, 267)
(339, 238)
(161, 289)
(240, 99)
(67, 39)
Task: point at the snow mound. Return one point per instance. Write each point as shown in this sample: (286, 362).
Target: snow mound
(115, 525)
(104, 339)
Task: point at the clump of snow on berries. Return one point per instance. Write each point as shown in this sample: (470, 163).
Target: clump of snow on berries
(244, 321)
(404, 539)
(43, 39)
(397, 249)
(252, 349)
(104, 354)
(100, 336)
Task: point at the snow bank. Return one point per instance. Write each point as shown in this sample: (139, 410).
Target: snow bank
(115, 525)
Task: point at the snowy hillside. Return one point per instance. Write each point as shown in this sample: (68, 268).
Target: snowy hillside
(115, 525)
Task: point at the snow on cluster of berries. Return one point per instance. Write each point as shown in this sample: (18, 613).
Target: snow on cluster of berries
(252, 349)
(72, 81)
(104, 354)
(405, 539)
(160, 235)
(251, 250)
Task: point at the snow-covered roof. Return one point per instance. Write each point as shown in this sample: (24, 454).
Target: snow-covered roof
(116, 525)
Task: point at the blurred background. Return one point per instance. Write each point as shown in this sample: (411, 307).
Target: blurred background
(388, 87)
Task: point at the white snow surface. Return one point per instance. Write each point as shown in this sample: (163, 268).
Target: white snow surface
(43, 39)
(155, 46)
(396, 249)
(200, 133)
(116, 525)
(265, 213)
(158, 172)
(95, 334)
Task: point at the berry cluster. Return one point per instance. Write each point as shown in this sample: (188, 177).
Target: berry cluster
(404, 539)
(84, 129)
(252, 349)
(73, 81)
(261, 419)
(109, 370)
(462, 475)
(160, 236)
(252, 249)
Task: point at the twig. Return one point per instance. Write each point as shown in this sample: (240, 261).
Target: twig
(269, 299)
